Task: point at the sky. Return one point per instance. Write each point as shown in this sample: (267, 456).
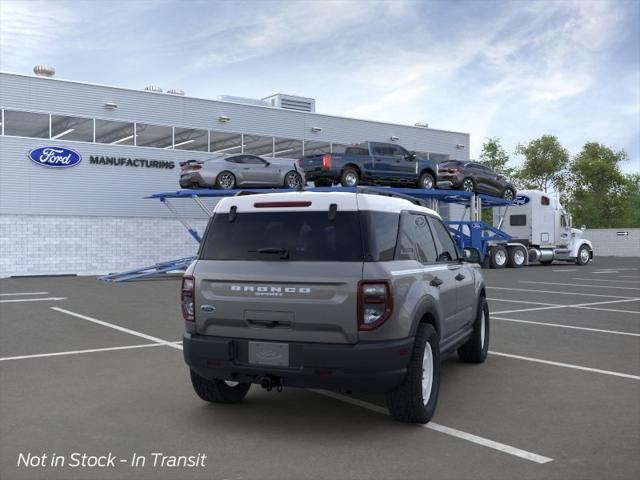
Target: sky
(515, 70)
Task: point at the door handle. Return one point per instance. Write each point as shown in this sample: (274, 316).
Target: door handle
(459, 277)
(436, 282)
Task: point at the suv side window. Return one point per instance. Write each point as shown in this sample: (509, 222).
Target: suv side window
(415, 241)
(447, 251)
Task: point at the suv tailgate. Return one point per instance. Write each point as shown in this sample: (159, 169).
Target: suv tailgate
(280, 301)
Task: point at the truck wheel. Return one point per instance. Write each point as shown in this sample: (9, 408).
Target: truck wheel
(475, 349)
(226, 180)
(349, 178)
(426, 181)
(415, 399)
(517, 257)
(499, 257)
(218, 391)
(584, 255)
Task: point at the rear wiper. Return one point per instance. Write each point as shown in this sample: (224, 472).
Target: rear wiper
(284, 253)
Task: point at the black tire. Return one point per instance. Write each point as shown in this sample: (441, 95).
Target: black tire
(217, 391)
(509, 194)
(583, 258)
(427, 181)
(499, 257)
(475, 349)
(226, 180)
(406, 402)
(349, 177)
(289, 177)
(468, 185)
(517, 257)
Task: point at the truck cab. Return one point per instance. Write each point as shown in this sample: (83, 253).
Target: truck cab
(540, 223)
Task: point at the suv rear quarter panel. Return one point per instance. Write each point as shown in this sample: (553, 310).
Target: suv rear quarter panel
(412, 298)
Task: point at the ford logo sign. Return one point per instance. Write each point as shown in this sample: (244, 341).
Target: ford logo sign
(521, 200)
(55, 157)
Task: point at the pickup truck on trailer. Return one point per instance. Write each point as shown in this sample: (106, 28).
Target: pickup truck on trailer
(371, 163)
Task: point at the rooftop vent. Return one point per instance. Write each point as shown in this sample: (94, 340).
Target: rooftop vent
(292, 102)
(421, 124)
(44, 71)
(175, 91)
(245, 100)
(153, 88)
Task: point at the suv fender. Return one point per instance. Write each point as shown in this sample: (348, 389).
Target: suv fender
(427, 308)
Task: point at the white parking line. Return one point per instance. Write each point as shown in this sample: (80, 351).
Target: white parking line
(577, 305)
(606, 280)
(469, 437)
(566, 270)
(521, 301)
(23, 293)
(119, 328)
(566, 365)
(47, 299)
(629, 276)
(580, 285)
(559, 325)
(605, 272)
(528, 290)
(76, 352)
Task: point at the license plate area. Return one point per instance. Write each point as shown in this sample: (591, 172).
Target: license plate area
(269, 353)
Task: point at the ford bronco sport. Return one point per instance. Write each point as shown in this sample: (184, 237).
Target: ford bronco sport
(348, 291)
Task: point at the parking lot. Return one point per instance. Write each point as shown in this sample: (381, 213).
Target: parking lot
(89, 366)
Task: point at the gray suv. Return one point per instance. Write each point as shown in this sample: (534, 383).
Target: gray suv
(347, 291)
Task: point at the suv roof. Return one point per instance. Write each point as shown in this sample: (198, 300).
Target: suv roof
(319, 201)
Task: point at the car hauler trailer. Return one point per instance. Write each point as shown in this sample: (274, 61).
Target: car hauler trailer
(540, 229)
(495, 246)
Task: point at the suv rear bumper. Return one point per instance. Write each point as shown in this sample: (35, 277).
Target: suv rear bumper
(363, 367)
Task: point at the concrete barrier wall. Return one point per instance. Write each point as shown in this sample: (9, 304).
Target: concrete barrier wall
(614, 242)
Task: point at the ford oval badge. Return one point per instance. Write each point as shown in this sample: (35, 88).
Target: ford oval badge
(207, 308)
(521, 200)
(55, 157)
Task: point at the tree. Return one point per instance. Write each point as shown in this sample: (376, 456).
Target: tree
(495, 157)
(598, 191)
(630, 217)
(545, 163)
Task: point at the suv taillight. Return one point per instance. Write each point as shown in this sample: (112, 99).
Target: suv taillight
(326, 161)
(188, 284)
(375, 303)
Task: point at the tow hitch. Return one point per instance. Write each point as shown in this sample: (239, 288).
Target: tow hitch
(269, 383)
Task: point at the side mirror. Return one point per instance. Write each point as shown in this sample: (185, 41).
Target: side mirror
(411, 157)
(471, 255)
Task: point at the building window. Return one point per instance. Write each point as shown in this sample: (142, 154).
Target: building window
(191, 139)
(71, 128)
(157, 136)
(26, 124)
(316, 148)
(287, 148)
(115, 133)
(258, 145)
(225, 143)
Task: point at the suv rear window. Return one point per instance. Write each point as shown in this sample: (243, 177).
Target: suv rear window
(304, 236)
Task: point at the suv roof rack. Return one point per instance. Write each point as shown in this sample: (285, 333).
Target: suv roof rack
(388, 193)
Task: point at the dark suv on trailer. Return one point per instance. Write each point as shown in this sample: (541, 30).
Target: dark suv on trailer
(474, 177)
(338, 290)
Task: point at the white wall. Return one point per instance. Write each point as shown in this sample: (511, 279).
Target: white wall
(48, 245)
(607, 242)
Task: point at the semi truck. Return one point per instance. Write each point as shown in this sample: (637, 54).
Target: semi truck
(541, 231)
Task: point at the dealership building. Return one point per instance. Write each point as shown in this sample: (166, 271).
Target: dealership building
(88, 215)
